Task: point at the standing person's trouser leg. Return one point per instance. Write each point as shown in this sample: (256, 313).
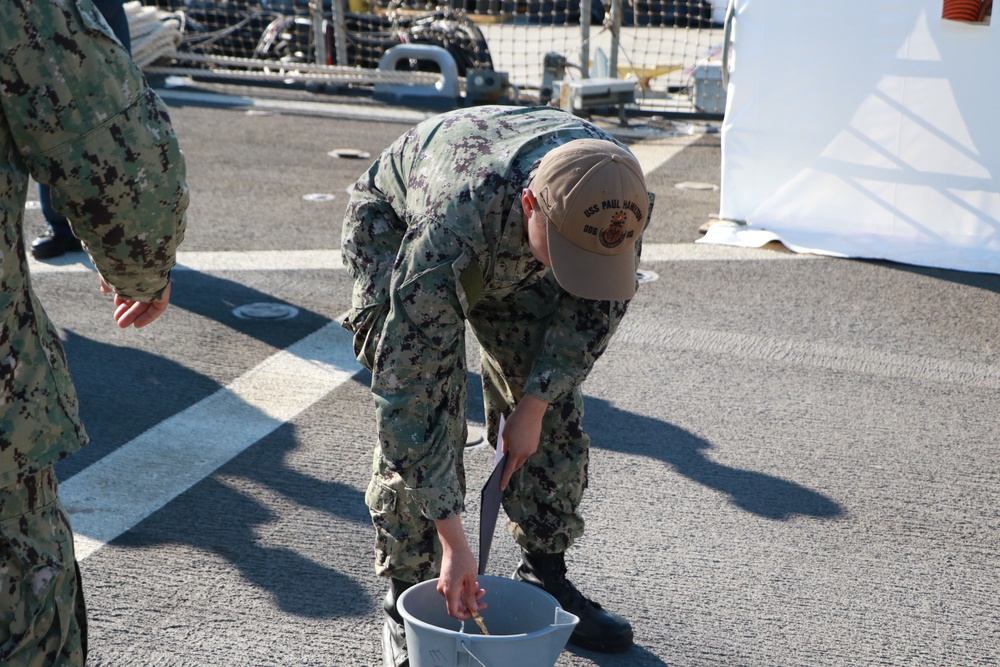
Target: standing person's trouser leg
(43, 619)
(114, 14)
(60, 239)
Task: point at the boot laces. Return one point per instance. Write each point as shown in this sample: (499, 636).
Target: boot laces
(571, 598)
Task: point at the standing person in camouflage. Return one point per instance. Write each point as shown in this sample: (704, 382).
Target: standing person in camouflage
(459, 222)
(76, 114)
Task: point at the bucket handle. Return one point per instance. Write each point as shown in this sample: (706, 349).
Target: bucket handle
(472, 655)
(563, 617)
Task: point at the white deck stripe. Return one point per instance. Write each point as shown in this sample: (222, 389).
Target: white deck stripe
(653, 153)
(114, 494)
(293, 260)
(354, 111)
(690, 252)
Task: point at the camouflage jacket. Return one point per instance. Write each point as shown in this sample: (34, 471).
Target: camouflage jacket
(76, 114)
(434, 226)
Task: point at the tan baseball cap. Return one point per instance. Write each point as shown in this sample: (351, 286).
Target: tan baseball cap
(594, 195)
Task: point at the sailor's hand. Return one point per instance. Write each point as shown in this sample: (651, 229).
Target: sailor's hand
(521, 434)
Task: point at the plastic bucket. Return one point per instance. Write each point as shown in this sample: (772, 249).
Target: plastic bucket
(527, 627)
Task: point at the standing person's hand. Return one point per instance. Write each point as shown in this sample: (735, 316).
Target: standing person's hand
(521, 434)
(458, 582)
(129, 312)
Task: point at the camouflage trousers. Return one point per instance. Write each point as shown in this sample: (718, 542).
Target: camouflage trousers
(42, 613)
(542, 499)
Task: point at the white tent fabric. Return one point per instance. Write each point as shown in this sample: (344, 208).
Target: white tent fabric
(863, 128)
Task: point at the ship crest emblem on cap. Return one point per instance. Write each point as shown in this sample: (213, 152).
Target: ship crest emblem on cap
(614, 234)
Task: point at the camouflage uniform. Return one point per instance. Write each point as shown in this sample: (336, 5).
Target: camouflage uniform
(76, 114)
(434, 238)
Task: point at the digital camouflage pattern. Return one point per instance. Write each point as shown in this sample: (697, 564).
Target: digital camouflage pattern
(434, 238)
(75, 113)
(44, 616)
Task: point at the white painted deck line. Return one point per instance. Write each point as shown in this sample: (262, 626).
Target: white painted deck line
(654, 153)
(295, 260)
(360, 112)
(117, 492)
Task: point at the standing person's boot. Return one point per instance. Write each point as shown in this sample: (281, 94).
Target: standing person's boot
(393, 632)
(599, 629)
(58, 239)
(53, 244)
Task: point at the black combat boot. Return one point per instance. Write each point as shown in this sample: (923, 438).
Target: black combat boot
(393, 631)
(53, 244)
(598, 630)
